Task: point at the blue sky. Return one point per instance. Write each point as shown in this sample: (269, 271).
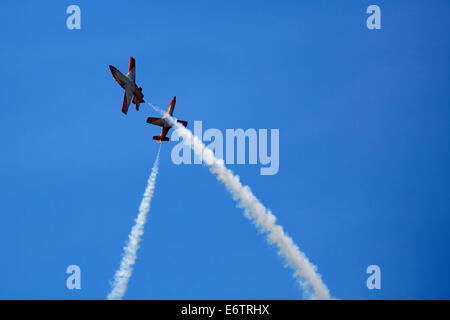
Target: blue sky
(364, 146)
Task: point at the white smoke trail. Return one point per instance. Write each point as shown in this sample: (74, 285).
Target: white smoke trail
(122, 275)
(304, 271)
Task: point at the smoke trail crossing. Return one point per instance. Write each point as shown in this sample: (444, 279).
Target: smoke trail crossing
(304, 271)
(122, 275)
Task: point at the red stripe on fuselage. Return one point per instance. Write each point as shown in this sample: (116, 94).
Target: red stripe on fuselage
(171, 106)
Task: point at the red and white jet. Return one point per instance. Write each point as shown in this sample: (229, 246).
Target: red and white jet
(162, 122)
(132, 91)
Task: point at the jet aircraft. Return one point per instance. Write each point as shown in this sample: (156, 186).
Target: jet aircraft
(132, 91)
(164, 123)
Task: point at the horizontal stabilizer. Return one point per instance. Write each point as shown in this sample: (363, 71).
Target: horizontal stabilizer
(159, 138)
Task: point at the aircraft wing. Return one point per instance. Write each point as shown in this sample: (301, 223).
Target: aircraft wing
(118, 76)
(156, 121)
(126, 101)
(132, 70)
(183, 122)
